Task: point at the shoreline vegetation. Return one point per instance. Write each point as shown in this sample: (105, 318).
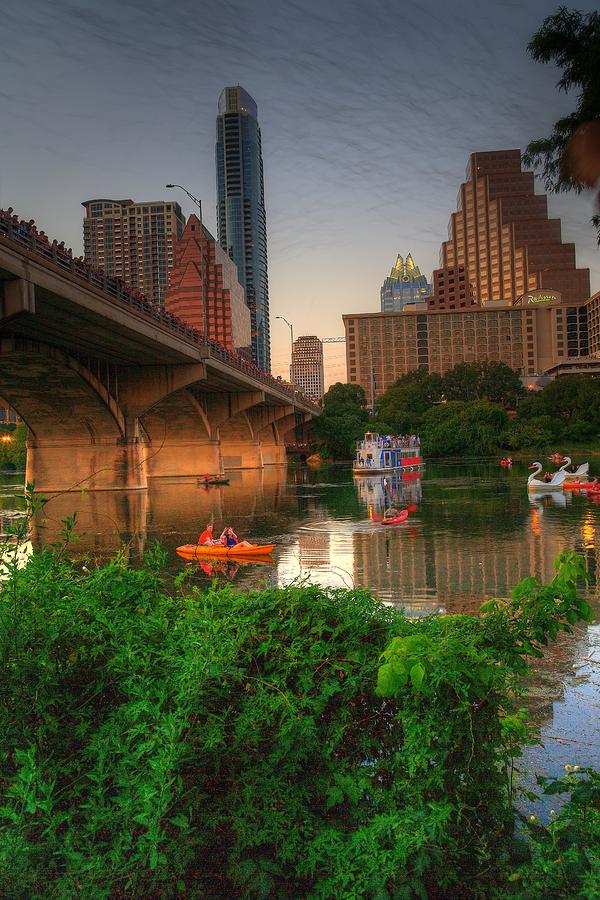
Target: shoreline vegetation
(163, 740)
(474, 410)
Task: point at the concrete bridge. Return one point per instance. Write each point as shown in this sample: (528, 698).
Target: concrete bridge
(114, 390)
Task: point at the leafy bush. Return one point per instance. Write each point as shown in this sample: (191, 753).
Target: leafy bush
(457, 428)
(539, 433)
(228, 744)
(563, 857)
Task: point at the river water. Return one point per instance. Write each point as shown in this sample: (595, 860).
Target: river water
(473, 534)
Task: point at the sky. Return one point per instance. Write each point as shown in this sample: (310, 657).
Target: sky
(368, 112)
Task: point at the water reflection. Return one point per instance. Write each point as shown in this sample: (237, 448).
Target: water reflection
(473, 534)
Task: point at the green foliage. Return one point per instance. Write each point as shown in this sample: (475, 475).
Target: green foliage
(538, 432)
(235, 744)
(571, 40)
(455, 428)
(343, 421)
(405, 404)
(563, 856)
(13, 453)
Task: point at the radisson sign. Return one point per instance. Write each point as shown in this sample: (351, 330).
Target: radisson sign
(542, 297)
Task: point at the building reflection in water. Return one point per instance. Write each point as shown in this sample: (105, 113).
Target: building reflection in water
(452, 561)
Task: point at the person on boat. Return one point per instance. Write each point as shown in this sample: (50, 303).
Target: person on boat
(207, 538)
(230, 539)
(548, 477)
(391, 513)
(206, 477)
(509, 461)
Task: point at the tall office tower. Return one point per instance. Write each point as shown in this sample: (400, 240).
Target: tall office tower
(404, 285)
(133, 241)
(502, 236)
(205, 291)
(241, 218)
(306, 370)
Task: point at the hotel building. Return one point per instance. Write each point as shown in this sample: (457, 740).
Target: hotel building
(306, 370)
(205, 291)
(133, 241)
(531, 336)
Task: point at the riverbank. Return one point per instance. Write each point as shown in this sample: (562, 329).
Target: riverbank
(197, 743)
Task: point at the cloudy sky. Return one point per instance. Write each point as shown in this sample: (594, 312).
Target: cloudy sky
(368, 112)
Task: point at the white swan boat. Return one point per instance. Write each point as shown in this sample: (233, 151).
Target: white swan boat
(555, 484)
(581, 474)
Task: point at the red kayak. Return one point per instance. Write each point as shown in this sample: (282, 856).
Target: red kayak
(396, 520)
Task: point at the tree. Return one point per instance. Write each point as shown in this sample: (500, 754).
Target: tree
(571, 40)
(463, 382)
(500, 384)
(404, 404)
(343, 420)
(349, 396)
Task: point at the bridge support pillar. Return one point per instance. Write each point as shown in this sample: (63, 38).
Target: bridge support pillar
(184, 458)
(74, 465)
(244, 454)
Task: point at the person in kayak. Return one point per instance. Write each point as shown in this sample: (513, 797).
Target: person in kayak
(229, 539)
(207, 538)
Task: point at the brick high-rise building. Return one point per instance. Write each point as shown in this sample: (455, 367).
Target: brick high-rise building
(306, 370)
(501, 235)
(133, 241)
(451, 289)
(205, 291)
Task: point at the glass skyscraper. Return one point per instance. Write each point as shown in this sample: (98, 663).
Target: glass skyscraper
(404, 285)
(241, 218)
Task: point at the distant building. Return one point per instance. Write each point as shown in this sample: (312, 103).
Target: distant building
(241, 217)
(306, 370)
(536, 334)
(452, 289)
(502, 237)
(133, 241)
(404, 285)
(205, 291)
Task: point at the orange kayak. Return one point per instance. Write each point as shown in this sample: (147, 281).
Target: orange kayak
(193, 551)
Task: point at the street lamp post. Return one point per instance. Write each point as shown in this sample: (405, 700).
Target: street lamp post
(290, 326)
(202, 268)
(191, 196)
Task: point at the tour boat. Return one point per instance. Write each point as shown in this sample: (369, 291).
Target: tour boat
(378, 454)
(555, 484)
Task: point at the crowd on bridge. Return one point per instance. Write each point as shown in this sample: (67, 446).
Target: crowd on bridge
(26, 231)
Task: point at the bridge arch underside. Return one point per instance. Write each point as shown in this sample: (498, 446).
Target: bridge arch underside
(179, 441)
(76, 430)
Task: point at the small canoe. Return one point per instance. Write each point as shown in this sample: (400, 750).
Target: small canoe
(396, 520)
(193, 551)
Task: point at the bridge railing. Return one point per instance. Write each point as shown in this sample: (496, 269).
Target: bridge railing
(27, 235)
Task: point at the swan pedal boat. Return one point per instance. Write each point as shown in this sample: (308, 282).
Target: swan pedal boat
(396, 520)
(193, 551)
(556, 484)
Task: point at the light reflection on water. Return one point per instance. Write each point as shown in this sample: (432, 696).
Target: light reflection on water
(474, 534)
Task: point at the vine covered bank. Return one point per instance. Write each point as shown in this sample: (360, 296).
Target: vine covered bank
(160, 742)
